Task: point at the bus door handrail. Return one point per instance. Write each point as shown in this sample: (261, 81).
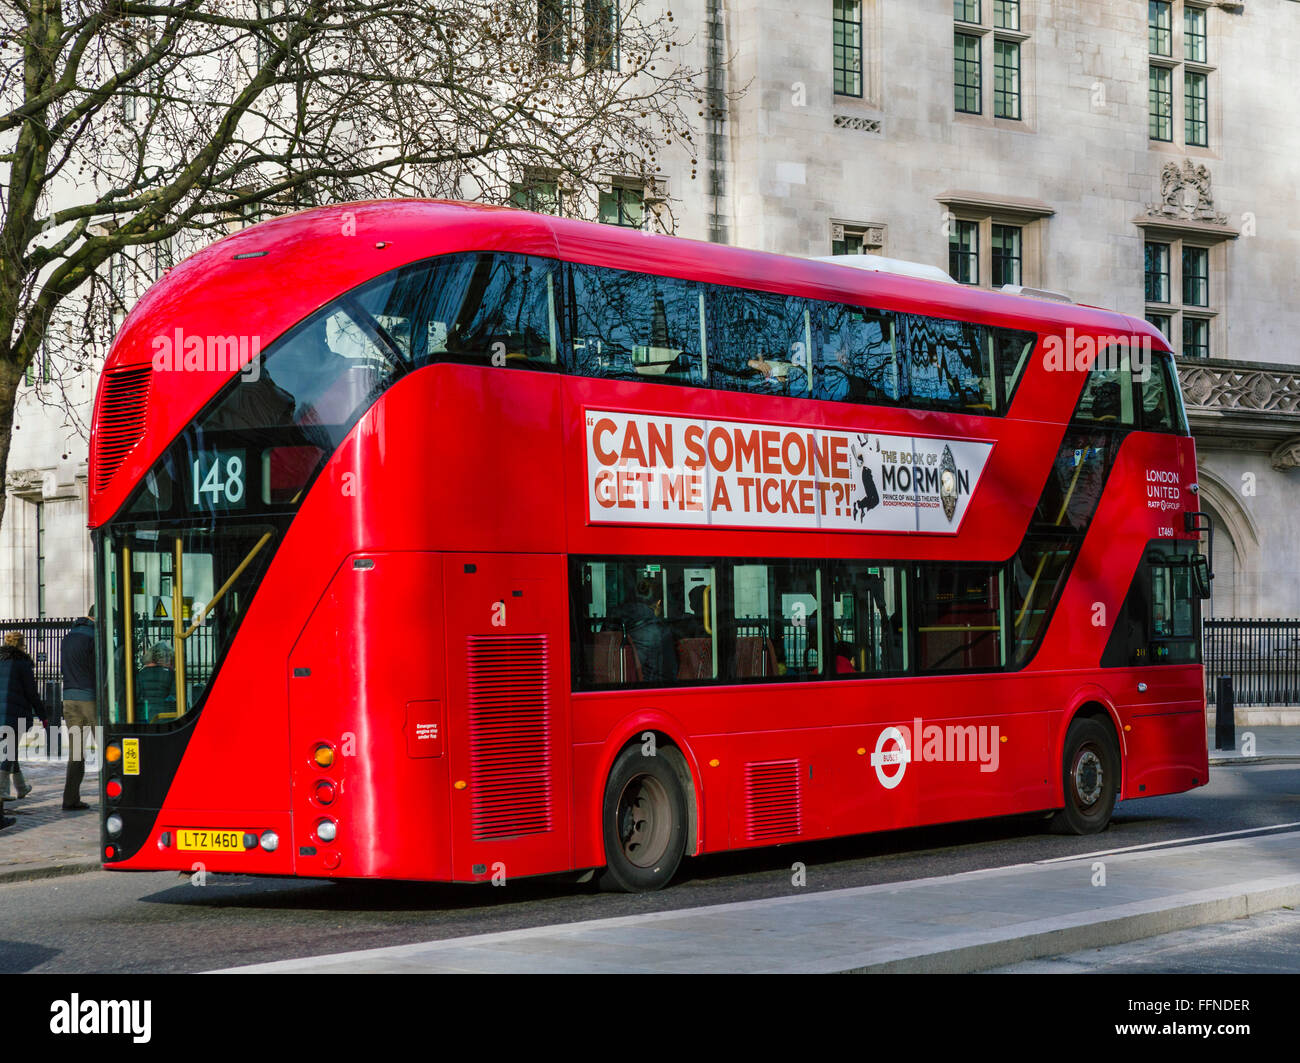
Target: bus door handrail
(1060, 516)
(221, 592)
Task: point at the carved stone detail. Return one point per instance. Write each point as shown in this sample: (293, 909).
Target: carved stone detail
(858, 122)
(1185, 193)
(26, 483)
(1287, 456)
(1226, 387)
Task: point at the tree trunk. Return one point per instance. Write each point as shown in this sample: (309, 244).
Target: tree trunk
(10, 377)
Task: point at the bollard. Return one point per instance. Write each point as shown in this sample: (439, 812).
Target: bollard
(1225, 718)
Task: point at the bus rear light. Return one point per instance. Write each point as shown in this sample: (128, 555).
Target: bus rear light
(113, 753)
(270, 841)
(113, 825)
(165, 840)
(326, 830)
(108, 852)
(113, 789)
(250, 840)
(323, 755)
(325, 792)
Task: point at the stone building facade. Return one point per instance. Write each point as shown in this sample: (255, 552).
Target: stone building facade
(1134, 155)
(1138, 156)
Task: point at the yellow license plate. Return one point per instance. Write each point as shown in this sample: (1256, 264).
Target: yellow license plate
(211, 841)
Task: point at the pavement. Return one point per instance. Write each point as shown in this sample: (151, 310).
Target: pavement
(46, 841)
(974, 921)
(955, 924)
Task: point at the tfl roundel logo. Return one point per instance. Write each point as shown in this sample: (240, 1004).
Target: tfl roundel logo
(885, 758)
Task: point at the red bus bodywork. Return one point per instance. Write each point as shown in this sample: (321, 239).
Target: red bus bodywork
(466, 468)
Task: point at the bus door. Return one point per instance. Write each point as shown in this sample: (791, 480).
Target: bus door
(508, 730)
(365, 681)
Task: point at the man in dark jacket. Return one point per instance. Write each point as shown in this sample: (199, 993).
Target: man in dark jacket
(651, 635)
(78, 657)
(19, 701)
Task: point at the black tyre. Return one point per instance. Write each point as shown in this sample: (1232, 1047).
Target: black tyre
(1090, 778)
(644, 823)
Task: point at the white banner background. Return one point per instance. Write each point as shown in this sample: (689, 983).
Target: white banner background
(647, 469)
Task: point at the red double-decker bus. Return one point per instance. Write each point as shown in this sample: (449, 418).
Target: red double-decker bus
(444, 542)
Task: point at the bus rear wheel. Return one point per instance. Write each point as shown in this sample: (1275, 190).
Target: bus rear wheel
(1090, 774)
(644, 823)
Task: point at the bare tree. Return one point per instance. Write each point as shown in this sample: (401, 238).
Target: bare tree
(133, 132)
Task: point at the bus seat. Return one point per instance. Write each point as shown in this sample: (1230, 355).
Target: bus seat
(695, 658)
(755, 656)
(615, 660)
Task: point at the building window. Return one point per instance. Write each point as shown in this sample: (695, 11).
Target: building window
(1160, 34)
(163, 256)
(1196, 337)
(128, 97)
(848, 47)
(1179, 70)
(623, 205)
(849, 239)
(1196, 104)
(964, 252)
(1006, 255)
(1160, 95)
(1196, 276)
(1164, 323)
(590, 28)
(117, 275)
(966, 73)
(601, 22)
(553, 30)
(1194, 34)
(41, 358)
(264, 40)
(997, 44)
(994, 243)
(1175, 267)
(537, 193)
(1006, 79)
(1157, 273)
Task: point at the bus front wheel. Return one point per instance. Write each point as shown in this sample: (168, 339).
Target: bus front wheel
(1090, 769)
(644, 823)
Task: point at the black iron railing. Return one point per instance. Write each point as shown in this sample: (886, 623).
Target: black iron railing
(43, 640)
(1262, 656)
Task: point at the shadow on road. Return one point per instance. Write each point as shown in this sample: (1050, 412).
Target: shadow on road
(19, 957)
(706, 880)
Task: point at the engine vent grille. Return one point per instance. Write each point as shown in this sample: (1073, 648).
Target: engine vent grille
(509, 736)
(772, 803)
(121, 419)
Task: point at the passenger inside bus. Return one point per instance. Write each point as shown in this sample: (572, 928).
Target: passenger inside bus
(650, 635)
(155, 683)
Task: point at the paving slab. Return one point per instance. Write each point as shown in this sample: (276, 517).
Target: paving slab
(46, 841)
(955, 923)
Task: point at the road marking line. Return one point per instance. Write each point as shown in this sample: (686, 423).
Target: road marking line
(1171, 841)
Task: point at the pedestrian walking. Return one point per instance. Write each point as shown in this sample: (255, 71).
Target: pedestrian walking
(19, 701)
(79, 685)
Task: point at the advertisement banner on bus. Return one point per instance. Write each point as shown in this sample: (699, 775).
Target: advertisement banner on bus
(649, 469)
